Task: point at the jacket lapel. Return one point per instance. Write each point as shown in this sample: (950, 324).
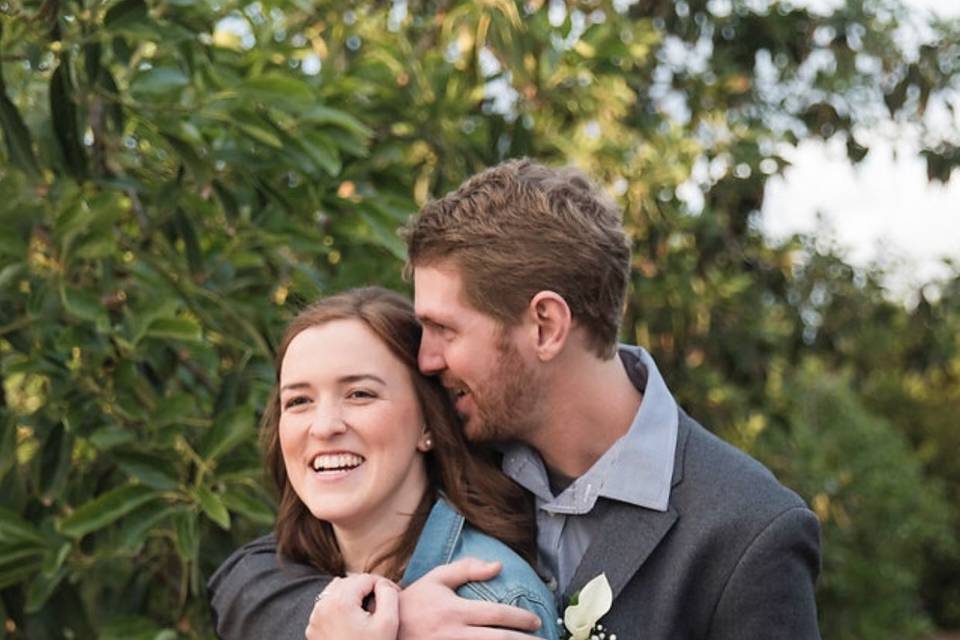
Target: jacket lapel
(628, 534)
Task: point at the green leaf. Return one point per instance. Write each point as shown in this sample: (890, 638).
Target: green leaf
(212, 506)
(384, 231)
(272, 89)
(55, 457)
(133, 627)
(106, 509)
(153, 471)
(16, 135)
(321, 151)
(54, 559)
(229, 430)
(14, 528)
(82, 304)
(8, 452)
(183, 329)
(159, 81)
(191, 245)
(65, 122)
(10, 273)
(108, 437)
(18, 563)
(138, 524)
(260, 134)
(245, 502)
(125, 13)
(92, 52)
(191, 159)
(187, 540)
(42, 588)
(321, 114)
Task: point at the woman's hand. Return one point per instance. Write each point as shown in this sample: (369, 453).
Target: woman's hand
(339, 613)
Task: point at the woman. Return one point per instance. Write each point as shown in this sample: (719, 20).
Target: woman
(375, 478)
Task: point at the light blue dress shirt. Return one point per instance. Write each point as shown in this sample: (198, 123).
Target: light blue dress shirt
(637, 469)
(446, 537)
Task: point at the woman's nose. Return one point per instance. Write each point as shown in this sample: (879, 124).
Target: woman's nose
(327, 421)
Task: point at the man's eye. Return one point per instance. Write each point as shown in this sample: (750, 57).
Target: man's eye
(444, 331)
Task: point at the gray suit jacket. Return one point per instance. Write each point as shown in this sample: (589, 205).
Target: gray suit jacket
(735, 557)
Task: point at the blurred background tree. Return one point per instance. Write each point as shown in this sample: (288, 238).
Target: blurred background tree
(180, 176)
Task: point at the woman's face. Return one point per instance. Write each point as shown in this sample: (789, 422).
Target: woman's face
(350, 426)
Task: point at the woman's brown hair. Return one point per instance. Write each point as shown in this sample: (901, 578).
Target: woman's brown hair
(468, 476)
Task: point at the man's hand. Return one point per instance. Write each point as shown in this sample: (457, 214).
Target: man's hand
(430, 610)
(339, 613)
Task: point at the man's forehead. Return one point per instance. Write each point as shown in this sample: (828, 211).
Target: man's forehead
(438, 292)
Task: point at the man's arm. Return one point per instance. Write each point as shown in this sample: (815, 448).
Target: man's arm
(430, 608)
(254, 596)
(770, 593)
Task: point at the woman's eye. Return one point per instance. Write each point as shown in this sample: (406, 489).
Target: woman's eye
(361, 394)
(295, 401)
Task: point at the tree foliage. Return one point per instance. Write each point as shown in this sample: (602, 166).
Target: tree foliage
(180, 176)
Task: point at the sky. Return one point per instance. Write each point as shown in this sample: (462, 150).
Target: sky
(884, 209)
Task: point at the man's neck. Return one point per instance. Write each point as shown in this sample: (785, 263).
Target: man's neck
(592, 404)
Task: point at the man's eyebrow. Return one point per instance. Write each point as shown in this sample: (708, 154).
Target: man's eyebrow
(428, 320)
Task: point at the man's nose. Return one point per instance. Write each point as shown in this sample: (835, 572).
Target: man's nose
(327, 421)
(430, 358)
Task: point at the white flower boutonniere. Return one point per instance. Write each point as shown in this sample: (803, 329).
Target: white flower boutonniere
(589, 605)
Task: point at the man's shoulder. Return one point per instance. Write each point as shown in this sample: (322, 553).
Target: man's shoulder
(722, 483)
(254, 561)
(262, 551)
(256, 594)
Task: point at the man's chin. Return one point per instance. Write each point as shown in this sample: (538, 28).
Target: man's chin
(481, 431)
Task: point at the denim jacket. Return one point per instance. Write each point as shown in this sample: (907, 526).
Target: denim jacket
(446, 537)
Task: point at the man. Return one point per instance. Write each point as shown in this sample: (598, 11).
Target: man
(520, 278)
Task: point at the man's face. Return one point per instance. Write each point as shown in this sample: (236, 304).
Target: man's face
(494, 389)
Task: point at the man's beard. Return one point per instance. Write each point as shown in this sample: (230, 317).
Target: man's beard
(506, 406)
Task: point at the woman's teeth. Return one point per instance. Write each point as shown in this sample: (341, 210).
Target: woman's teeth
(338, 461)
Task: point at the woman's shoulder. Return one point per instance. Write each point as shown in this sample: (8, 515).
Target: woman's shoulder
(517, 584)
(515, 570)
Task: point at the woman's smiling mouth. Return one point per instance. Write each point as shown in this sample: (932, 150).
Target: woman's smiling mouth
(336, 462)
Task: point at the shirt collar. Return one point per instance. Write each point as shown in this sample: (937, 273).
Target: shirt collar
(637, 469)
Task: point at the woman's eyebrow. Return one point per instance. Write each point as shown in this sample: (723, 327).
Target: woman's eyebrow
(347, 379)
(294, 385)
(357, 377)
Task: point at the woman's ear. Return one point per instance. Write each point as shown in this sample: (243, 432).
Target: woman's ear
(551, 318)
(425, 443)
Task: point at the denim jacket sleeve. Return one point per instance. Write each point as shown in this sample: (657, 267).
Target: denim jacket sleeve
(447, 537)
(520, 596)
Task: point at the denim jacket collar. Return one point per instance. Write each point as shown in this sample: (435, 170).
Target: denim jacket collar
(437, 541)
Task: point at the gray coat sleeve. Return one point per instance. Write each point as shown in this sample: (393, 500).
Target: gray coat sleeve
(770, 593)
(253, 595)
